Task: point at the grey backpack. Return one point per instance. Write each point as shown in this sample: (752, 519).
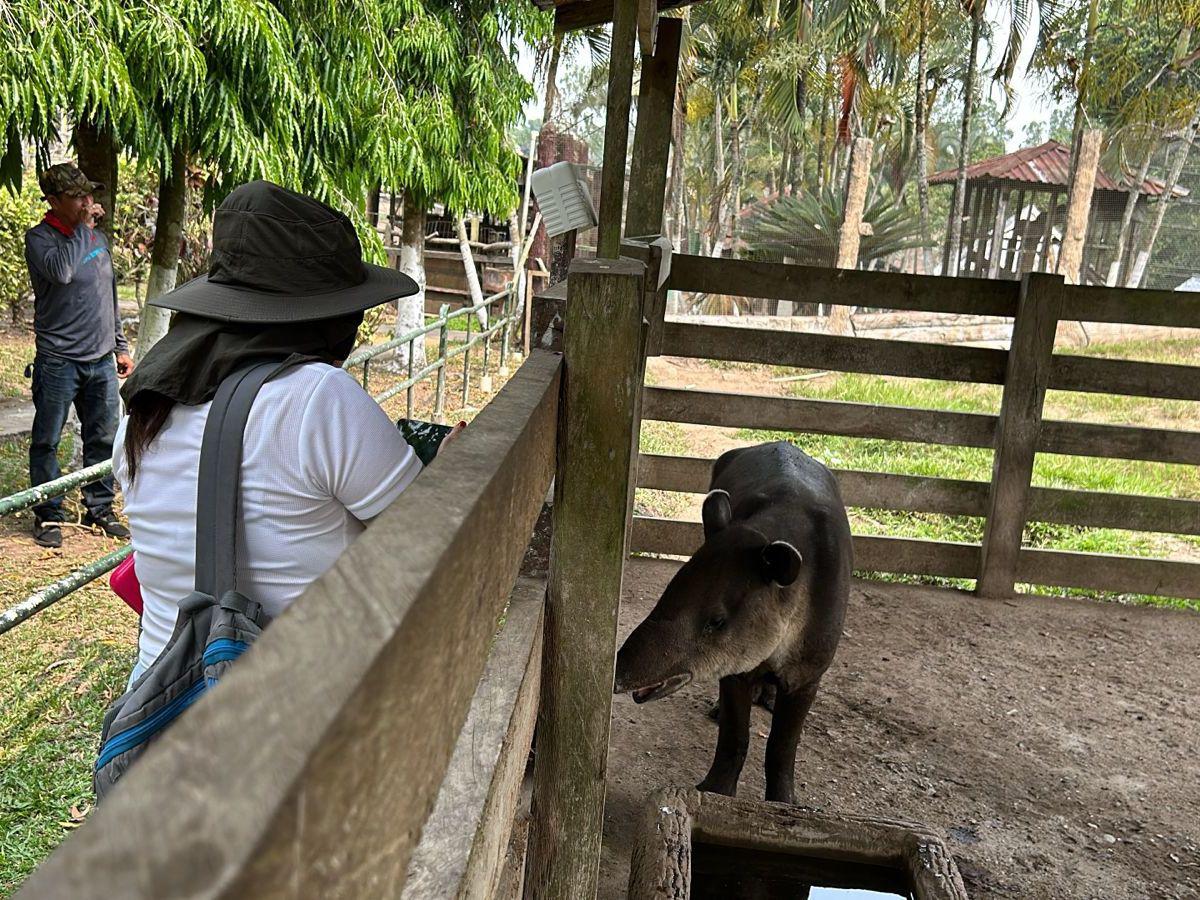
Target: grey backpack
(215, 624)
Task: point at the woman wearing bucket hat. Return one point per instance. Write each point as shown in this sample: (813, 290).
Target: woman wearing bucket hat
(287, 281)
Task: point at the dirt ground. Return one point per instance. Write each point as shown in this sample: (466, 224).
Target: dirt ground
(1052, 742)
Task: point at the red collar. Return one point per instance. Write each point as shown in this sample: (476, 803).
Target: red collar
(54, 222)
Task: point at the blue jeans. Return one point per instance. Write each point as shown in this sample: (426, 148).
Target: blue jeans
(92, 388)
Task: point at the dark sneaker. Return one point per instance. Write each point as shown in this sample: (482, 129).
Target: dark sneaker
(47, 534)
(107, 522)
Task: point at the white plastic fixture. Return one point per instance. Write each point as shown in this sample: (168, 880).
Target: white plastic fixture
(563, 198)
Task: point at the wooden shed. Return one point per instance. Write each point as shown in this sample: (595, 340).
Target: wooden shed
(1014, 211)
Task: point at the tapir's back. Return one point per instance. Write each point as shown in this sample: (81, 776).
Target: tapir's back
(788, 495)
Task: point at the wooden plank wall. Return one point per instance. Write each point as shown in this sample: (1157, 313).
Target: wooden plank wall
(1008, 502)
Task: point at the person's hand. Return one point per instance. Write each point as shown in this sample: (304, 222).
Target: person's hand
(124, 364)
(92, 214)
(454, 432)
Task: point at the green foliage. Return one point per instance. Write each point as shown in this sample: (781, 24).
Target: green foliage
(805, 229)
(19, 211)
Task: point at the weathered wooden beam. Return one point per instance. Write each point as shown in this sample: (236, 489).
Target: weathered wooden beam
(604, 364)
(316, 761)
(1118, 574)
(1029, 363)
(1075, 230)
(812, 284)
(1097, 375)
(872, 553)
(954, 497)
(465, 842)
(588, 13)
(652, 137)
(616, 127)
(647, 26)
(1120, 442)
(893, 423)
(1137, 307)
(943, 362)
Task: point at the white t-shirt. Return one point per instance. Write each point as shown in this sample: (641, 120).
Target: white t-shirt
(319, 458)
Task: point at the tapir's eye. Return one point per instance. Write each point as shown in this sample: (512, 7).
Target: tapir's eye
(716, 623)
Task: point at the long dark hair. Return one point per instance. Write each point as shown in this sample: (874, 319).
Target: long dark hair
(148, 413)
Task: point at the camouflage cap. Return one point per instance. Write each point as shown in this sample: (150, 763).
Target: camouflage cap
(65, 178)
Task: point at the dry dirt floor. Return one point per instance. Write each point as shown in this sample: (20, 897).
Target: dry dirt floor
(1052, 742)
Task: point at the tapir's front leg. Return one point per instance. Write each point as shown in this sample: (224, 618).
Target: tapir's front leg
(791, 708)
(733, 736)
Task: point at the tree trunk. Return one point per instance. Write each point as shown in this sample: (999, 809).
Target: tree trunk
(1079, 207)
(1177, 163)
(468, 258)
(676, 181)
(821, 144)
(551, 79)
(1081, 88)
(373, 205)
(164, 256)
(410, 311)
(960, 183)
(1118, 268)
(717, 213)
(922, 137)
(516, 305)
(97, 155)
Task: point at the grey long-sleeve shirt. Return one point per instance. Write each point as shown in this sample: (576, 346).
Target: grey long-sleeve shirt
(75, 293)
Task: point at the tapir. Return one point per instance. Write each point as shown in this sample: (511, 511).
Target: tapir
(761, 602)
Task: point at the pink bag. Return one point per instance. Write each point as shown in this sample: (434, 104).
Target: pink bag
(124, 583)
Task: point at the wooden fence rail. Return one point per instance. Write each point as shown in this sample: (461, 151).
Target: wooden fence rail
(278, 785)
(1038, 304)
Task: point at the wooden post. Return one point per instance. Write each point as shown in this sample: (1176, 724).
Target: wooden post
(851, 234)
(616, 127)
(598, 429)
(1070, 258)
(652, 139)
(1026, 376)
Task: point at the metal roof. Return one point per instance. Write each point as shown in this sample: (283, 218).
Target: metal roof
(1047, 164)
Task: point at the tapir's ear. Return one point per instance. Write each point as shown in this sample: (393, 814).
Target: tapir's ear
(781, 563)
(717, 513)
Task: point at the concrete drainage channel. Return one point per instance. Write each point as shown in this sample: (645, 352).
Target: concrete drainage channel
(700, 846)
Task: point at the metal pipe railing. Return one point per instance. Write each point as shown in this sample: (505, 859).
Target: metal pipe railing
(56, 590)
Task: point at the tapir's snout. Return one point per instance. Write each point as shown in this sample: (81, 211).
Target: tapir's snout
(646, 665)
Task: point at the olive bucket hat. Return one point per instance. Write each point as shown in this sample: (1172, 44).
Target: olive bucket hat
(65, 178)
(279, 256)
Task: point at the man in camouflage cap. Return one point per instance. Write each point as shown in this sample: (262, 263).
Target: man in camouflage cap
(78, 333)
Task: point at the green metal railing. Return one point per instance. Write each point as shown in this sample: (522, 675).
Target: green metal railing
(501, 324)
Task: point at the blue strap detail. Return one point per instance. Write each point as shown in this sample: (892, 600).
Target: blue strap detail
(223, 649)
(92, 255)
(144, 730)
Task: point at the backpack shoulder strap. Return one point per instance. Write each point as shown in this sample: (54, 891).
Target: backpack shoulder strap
(218, 507)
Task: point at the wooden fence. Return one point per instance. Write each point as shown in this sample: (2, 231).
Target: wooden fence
(373, 742)
(1037, 305)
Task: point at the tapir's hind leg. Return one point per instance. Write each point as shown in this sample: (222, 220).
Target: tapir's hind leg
(791, 708)
(733, 736)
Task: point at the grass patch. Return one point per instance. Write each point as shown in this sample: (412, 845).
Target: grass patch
(16, 352)
(58, 673)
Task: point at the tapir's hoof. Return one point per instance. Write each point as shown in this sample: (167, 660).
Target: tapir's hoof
(708, 786)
